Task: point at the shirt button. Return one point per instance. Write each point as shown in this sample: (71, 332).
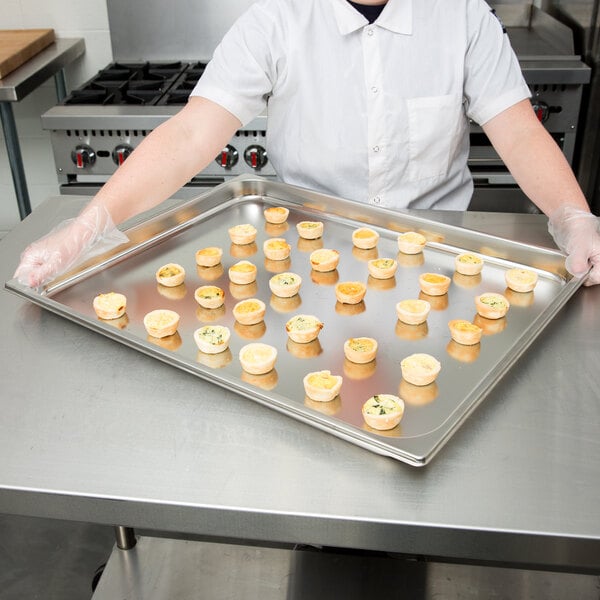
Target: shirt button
(369, 32)
(376, 200)
(375, 148)
(374, 89)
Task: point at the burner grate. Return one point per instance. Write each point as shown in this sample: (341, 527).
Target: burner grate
(144, 83)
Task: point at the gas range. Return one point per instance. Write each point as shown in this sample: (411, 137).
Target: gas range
(97, 126)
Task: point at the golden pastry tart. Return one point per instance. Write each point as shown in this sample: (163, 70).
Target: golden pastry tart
(170, 275)
(521, 280)
(491, 306)
(413, 312)
(434, 284)
(310, 230)
(383, 411)
(209, 296)
(161, 323)
(468, 264)
(360, 350)
(257, 358)
(324, 260)
(420, 368)
(110, 306)
(464, 332)
(411, 242)
(303, 328)
(249, 312)
(276, 214)
(243, 272)
(350, 292)
(242, 234)
(382, 268)
(276, 249)
(365, 238)
(322, 386)
(285, 285)
(209, 256)
(212, 339)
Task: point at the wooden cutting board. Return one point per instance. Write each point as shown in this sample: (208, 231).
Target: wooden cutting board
(17, 46)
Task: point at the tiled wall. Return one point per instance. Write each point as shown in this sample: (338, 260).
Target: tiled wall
(88, 20)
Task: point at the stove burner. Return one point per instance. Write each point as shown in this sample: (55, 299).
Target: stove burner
(147, 83)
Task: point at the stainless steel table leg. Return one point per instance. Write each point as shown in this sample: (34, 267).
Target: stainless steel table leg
(60, 85)
(125, 537)
(14, 158)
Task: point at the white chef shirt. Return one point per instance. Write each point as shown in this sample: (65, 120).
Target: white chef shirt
(376, 112)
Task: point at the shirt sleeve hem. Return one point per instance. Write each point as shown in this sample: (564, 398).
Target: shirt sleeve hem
(225, 99)
(494, 108)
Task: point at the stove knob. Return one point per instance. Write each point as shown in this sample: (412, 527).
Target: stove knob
(83, 156)
(120, 153)
(541, 109)
(228, 157)
(255, 156)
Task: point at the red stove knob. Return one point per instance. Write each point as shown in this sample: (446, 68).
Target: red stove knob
(541, 109)
(228, 157)
(120, 153)
(255, 156)
(83, 156)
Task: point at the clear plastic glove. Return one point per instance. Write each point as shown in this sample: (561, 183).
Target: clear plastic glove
(576, 233)
(69, 243)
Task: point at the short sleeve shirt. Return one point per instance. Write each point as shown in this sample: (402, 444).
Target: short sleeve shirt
(376, 113)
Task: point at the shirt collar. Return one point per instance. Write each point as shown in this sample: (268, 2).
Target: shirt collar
(396, 16)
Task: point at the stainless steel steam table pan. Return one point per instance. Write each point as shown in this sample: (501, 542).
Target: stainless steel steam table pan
(432, 412)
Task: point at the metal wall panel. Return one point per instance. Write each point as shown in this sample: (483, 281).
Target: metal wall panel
(177, 30)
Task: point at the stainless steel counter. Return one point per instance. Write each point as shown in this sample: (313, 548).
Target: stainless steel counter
(93, 431)
(51, 61)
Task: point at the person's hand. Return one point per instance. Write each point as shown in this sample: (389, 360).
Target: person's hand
(70, 242)
(576, 233)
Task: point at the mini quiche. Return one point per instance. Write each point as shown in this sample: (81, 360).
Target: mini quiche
(468, 264)
(324, 260)
(161, 323)
(360, 350)
(310, 230)
(170, 275)
(382, 268)
(257, 358)
(276, 214)
(212, 339)
(420, 368)
(413, 312)
(411, 242)
(209, 296)
(209, 256)
(464, 332)
(276, 249)
(303, 328)
(350, 292)
(521, 280)
(365, 238)
(243, 272)
(383, 411)
(110, 306)
(242, 234)
(434, 284)
(249, 312)
(322, 386)
(285, 285)
(491, 306)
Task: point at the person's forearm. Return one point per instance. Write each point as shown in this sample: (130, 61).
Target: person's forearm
(167, 159)
(534, 159)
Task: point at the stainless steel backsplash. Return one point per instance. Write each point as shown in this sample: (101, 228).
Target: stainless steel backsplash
(174, 30)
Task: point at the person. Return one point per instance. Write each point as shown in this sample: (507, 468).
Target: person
(369, 100)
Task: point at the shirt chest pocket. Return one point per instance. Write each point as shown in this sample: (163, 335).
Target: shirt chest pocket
(435, 128)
